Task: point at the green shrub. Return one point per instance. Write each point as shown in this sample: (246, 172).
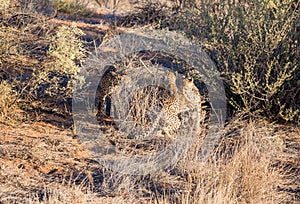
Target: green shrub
(37, 61)
(66, 53)
(65, 49)
(256, 47)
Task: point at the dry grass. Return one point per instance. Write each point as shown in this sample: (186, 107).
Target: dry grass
(245, 169)
(256, 162)
(246, 175)
(75, 194)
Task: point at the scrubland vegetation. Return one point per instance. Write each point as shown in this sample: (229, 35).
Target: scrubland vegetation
(255, 46)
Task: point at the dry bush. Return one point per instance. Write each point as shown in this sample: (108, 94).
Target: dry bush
(36, 7)
(8, 99)
(160, 16)
(110, 4)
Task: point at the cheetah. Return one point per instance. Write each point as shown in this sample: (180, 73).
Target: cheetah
(194, 100)
(185, 97)
(170, 104)
(109, 81)
(153, 106)
(192, 94)
(172, 107)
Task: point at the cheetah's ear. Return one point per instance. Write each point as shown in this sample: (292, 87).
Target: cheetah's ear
(111, 68)
(114, 73)
(188, 77)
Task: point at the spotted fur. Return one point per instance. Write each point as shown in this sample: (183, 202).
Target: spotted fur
(108, 82)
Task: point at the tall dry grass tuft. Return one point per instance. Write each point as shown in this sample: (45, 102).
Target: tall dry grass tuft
(110, 4)
(242, 170)
(74, 194)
